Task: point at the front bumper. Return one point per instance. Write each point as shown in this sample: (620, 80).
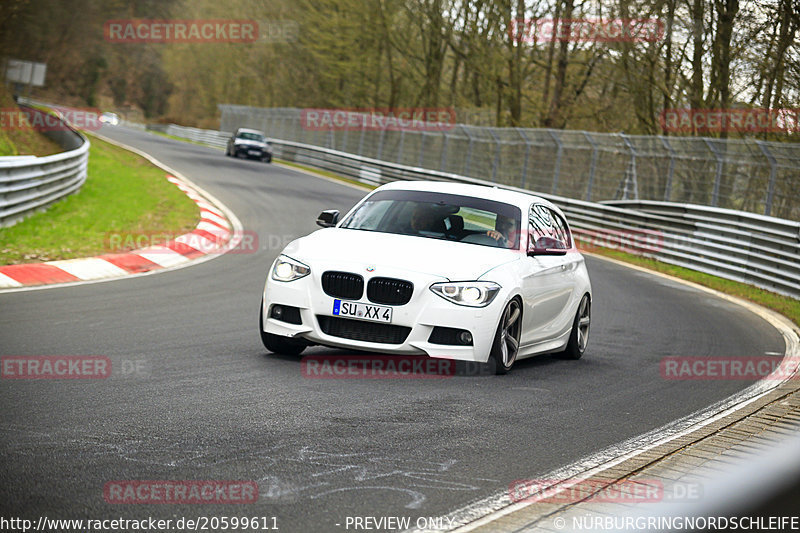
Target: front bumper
(424, 311)
(252, 152)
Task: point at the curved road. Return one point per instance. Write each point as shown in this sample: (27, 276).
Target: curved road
(209, 403)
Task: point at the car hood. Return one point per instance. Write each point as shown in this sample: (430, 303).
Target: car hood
(451, 260)
(256, 144)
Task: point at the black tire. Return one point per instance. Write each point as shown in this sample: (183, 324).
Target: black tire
(506, 340)
(276, 343)
(579, 337)
(267, 159)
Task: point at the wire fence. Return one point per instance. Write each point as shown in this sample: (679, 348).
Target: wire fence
(747, 175)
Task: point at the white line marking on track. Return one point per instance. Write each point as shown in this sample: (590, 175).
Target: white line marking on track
(206, 215)
(89, 268)
(198, 242)
(489, 509)
(5, 281)
(163, 256)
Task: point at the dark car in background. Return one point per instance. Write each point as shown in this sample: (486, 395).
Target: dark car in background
(251, 144)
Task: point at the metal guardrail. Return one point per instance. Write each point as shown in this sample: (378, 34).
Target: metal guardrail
(759, 250)
(29, 184)
(218, 139)
(742, 174)
(754, 249)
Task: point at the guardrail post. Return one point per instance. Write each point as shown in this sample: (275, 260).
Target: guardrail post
(671, 171)
(469, 149)
(496, 161)
(444, 151)
(400, 145)
(630, 175)
(295, 121)
(559, 153)
(592, 166)
(361, 139)
(718, 176)
(527, 155)
(380, 143)
(283, 127)
(773, 174)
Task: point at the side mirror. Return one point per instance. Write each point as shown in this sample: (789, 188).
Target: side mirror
(328, 219)
(547, 246)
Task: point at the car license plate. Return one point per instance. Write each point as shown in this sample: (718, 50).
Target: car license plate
(254, 152)
(374, 313)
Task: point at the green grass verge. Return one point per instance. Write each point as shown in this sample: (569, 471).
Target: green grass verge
(784, 305)
(22, 140)
(124, 193)
(325, 173)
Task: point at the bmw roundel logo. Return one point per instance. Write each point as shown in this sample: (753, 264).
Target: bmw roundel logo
(370, 269)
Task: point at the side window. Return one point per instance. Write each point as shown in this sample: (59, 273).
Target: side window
(561, 230)
(547, 229)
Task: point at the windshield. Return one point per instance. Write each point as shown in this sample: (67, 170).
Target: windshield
(439, 216)
(251, 136)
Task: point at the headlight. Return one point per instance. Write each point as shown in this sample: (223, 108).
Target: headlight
(287, 269)
(469, 293)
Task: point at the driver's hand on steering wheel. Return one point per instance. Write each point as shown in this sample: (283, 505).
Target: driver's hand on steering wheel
(496, 235)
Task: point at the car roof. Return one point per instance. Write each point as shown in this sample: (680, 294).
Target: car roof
(247, 130)
(518, 198)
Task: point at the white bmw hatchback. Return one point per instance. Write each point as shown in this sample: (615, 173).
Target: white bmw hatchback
(447, 270)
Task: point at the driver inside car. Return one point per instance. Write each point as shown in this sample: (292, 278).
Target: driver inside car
(422, 219)
(503, 232)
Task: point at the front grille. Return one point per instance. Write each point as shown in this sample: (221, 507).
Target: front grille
(389, 291)
(343, 285)
(360, 330)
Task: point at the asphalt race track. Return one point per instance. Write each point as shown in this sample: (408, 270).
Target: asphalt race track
(194, 395)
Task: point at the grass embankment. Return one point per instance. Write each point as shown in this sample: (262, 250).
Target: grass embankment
(18, 140)
(123, 194)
